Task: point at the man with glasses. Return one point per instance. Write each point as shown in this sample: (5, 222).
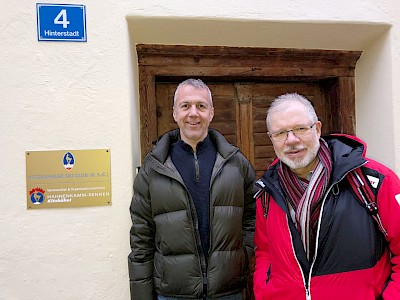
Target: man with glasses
(314, 239)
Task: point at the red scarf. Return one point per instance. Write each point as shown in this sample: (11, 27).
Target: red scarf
(305, 197)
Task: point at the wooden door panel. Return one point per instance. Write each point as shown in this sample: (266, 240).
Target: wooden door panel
(165, 101)
(224, 110)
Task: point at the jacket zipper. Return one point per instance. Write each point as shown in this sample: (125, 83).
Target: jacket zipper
(203, 264)
(308, 296)
(213, 176)
(204, 285)
(196, 166)
(200, 250)
(202, 259)
(307, 284)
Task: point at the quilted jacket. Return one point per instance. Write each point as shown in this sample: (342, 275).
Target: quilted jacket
(166, 256)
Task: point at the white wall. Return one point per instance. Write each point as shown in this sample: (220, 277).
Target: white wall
(65, 95)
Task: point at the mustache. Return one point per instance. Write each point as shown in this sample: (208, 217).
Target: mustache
(293, 148)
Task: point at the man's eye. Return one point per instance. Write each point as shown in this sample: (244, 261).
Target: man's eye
(300, 129)
(280, 133)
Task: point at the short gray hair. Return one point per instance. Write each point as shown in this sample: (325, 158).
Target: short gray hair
(283, 101)
(197, 84)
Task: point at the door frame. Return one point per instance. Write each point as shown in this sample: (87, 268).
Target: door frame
(333, 69)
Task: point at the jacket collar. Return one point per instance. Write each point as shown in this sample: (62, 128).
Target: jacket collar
(348, 153)
(161, 149)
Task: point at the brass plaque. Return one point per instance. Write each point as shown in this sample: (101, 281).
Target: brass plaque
(68, 178)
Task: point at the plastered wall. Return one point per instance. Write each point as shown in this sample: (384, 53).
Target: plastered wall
(69, 95)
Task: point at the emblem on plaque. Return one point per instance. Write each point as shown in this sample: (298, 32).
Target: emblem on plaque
(68, 161)
(36, 196)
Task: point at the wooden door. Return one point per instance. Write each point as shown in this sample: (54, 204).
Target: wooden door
(330, 72)
(240, 112)
(244, 81)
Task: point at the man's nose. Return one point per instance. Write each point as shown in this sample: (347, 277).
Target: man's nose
(193, 110)
(291, 137)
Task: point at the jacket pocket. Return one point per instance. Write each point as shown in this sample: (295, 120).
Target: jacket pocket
(268, 275)
(384, 288)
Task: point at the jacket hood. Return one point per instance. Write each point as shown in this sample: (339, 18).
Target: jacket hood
(350, 140)
(348, 153)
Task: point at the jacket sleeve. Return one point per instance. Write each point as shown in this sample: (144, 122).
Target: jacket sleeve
(261, 253)
(389, 210)
(140, 260)
(249, 212)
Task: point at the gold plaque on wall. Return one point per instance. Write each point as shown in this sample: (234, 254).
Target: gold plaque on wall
(68, 178)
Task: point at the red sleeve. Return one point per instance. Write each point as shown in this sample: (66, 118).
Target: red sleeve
(389, 210)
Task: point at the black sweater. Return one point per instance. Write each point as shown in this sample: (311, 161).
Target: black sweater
(195, 169)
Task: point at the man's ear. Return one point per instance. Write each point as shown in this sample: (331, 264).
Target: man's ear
(174, 114)
(212, 114)
(318, 127)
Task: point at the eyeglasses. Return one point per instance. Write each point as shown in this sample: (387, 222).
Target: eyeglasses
(281, 135)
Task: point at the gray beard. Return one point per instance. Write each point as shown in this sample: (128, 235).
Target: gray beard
(301, 163)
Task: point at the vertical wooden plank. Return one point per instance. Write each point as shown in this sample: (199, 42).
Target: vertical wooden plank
(340, 94)
(225, 113)
(244, 120)
(330, 89)
(148, 111)
(164, 109)
(346, 105)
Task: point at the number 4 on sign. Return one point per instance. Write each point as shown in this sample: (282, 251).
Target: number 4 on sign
(61, 19)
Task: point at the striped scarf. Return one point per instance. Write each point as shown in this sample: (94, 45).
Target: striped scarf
(305, 197)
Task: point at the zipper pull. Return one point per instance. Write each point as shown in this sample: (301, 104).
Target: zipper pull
(196, 165)
(308, 297)
(204, 286)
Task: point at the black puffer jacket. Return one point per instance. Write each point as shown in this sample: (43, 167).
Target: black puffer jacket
(166, 256)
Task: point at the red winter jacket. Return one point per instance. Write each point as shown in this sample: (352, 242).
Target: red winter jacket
(352, 258)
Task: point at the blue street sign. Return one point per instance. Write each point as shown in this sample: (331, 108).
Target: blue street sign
(61, 22)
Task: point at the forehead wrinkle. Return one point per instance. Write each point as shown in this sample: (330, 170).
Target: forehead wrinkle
(288, 123)
(193, 101)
